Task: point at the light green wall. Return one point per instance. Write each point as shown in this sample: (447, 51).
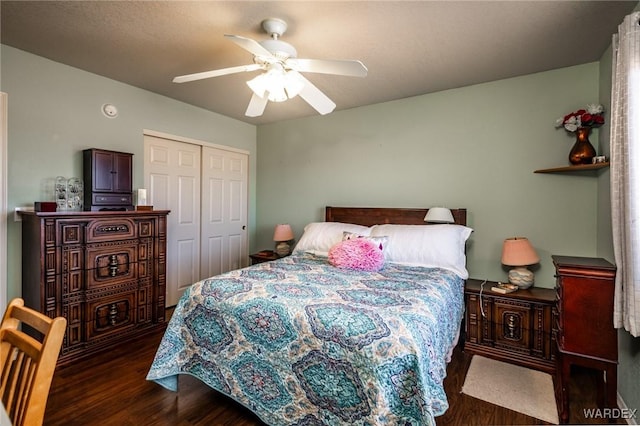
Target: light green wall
(55, 112)
(628, 346)
(473, 147)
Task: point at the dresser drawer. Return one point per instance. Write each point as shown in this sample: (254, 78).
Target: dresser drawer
(110, 315)
(513, 325)
(111, 230)
(111, 200)
(111, 259)
(111, 264)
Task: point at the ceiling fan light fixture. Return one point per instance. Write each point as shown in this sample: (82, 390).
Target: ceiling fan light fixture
(258, 85)
(277, 94)
(277, 84)
(293, 84)
(270, 84)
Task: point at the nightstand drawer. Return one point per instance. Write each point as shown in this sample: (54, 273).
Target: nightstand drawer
(513, 324)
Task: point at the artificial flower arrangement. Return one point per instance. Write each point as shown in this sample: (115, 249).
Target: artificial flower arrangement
(588, 118)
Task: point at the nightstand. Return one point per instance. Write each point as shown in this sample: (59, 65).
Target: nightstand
(515, 327)
(263, 256)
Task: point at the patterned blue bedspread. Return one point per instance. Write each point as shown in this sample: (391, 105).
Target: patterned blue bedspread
(300, 342)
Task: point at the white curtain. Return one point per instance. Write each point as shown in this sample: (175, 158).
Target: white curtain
(625, 172)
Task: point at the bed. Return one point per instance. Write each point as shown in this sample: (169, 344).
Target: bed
(301, 341)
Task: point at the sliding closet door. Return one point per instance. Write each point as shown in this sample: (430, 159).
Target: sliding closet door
(224, 210)
(205, 187)
(172, 177)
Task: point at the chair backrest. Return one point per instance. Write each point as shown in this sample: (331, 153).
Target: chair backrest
(28, 363)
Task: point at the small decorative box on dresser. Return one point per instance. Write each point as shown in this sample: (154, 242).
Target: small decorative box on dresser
(586, 336)
(105, 272)
(514, 327)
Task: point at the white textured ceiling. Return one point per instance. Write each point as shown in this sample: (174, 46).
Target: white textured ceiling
(410, 47)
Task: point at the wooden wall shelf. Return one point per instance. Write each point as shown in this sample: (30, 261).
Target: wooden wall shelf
(578, 168)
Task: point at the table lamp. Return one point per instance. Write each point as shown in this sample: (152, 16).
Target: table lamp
(439, 215)
(519, 252)
(282, 237)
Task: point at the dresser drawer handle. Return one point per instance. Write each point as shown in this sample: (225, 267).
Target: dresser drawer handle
(112, 228)
(113, 314)
(113, 265)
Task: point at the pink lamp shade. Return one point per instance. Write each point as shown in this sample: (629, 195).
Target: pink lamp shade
(283, 232)
(519, 252)
(282, 235)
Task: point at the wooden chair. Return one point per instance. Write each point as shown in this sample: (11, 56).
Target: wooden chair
(27, 363)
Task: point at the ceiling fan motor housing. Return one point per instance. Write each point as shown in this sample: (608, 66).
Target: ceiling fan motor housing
(280, 49)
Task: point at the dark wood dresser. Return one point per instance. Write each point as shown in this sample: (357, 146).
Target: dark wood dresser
(585, 336)
(515, 327)
(105, 272)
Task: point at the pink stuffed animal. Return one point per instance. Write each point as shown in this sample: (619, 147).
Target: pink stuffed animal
(358, 253)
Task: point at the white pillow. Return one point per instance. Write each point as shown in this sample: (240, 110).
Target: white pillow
(441, 246)
(319, 237)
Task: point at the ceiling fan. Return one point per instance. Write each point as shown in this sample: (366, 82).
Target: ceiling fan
(282, 78)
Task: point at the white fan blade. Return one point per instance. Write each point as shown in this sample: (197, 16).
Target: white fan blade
(314, 97)
(329, 66)
(216, 73)
(256, 106)
(250, 45)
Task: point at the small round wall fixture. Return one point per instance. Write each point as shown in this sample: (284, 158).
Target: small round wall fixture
(110, 110)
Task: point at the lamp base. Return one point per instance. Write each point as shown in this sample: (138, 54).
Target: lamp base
(522, 277)
(283, 249)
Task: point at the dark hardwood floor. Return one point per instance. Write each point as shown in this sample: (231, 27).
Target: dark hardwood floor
(110, 389)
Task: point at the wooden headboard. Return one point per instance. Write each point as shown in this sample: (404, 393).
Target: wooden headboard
(369, 216)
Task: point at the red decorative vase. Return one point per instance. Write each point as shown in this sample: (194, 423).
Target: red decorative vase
(582, 151)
